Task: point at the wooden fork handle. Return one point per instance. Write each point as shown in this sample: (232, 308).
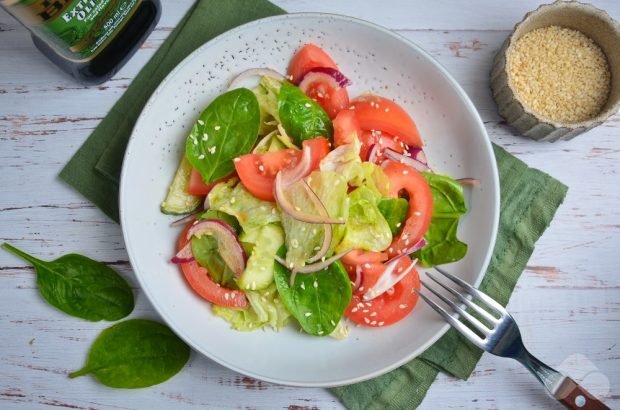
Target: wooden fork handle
(573, 396)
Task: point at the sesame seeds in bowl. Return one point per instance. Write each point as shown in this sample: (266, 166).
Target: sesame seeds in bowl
(558, 73)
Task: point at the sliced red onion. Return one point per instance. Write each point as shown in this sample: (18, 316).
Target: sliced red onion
(228, 244)
(373, 153)
(255, 72)
(185, 220)
(296, 213)
(417, 154)
(315, 267)
(387, 280)
(469, 181)
(263, 142)
(206, 205)
(184, 255)
(410, 162)
(340, 79)
(358, 277)
(421, 243)
(303, 168)
(280, 260)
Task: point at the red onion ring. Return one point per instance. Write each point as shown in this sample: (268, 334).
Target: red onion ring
(410, 162)
(229, 247)
(340, 79)
(184, 255)
(387, 280)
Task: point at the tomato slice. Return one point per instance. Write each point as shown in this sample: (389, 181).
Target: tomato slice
(321, 88)
(380, 114)
(197, 186)
(391, 306)
(345, 125)
(420, 210)
(200, 281)
(258, 171)
(308, 57)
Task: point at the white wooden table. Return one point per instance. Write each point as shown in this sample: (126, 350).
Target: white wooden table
(567, 301)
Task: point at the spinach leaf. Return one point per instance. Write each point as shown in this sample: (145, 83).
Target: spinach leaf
(81, 287)
(394, 210)
(301, 116)
(317, 300)
(135, 353)
(442, 244)
(227, 128)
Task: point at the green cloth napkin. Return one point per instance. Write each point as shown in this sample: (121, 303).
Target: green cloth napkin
(529, 199)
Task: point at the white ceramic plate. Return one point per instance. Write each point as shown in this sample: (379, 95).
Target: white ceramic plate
(376, 60)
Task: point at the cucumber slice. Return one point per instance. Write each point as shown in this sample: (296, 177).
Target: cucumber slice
(178, 201)
(258, 273)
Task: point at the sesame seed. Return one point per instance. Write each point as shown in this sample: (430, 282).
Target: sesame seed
(390, 249)
(316, 248)
(297, 208)
(323, 259)
(402, 306)
(303, 285)
(201, 156)
(201, 122)
(373, 314)
(366, 320)
(211, 150)
(226, 296)
(291, 265)
(374, 322)
(387, 110)
(352, 107)
(405, 172)
(308, 314)
(398, 225)
(232, 200)
(217, 128)
(354, 310)
(367, 265)
(381, 323)
(320, 332)
(237, 159)
(417, 213)
(361, 289)
(261, 168)
(308, 105)
(315, 284)
(205, 137)
(365, 311)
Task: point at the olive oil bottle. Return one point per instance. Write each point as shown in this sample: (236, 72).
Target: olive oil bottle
(88, 39)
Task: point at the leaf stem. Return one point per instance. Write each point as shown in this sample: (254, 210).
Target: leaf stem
(84, 370)
(21, 254)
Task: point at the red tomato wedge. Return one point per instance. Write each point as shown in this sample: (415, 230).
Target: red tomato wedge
(308, 57)
(380, 114)
(323, 89)
(391, 306)
(404, 178)
(197, 186)
(258, 171)
(200, 281)
(345, 126)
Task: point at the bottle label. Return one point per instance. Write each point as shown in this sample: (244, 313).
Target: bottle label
(77, 29)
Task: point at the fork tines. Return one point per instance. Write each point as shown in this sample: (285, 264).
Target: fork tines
(468, 291)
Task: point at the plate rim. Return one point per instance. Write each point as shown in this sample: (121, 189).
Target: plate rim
(311, 15)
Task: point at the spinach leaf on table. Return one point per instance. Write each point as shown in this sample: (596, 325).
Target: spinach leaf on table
(317, 300)
(80, 286)
(302, 117)
(442, 245)
(135, 353)
(227, 128)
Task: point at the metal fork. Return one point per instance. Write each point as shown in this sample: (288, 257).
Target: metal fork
(500, 336)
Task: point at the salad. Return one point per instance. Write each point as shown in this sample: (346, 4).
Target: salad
(309, 206)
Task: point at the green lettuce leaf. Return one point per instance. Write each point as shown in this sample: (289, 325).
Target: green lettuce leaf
(252, 213)
(302, 239)
(345, 160)
(258, 273)
(267, 95)
(266, 309)
(442, 245)
(366, 228)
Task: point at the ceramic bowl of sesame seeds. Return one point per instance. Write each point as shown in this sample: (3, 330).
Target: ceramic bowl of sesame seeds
(558, 73)
(375, 60)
